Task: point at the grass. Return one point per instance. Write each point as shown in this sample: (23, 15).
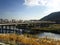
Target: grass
(23, 39)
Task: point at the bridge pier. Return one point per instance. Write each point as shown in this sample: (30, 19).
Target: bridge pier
(7, 28)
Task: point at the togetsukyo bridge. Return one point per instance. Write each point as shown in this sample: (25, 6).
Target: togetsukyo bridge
(11, 27)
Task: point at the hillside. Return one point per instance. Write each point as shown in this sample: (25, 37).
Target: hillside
(55, 16)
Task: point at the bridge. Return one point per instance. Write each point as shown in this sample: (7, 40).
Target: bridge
(12, 27)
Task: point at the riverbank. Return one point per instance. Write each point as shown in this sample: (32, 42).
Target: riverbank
(47, 29)
(15, 39)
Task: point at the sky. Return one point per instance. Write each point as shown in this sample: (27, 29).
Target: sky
(27, 9)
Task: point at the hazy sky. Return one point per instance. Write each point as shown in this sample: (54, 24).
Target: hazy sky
(27, 9)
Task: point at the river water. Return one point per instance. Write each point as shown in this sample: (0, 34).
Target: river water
(49, 35)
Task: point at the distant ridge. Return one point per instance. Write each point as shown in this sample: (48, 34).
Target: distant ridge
(55, 16)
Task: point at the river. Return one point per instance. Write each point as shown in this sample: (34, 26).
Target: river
(49, 35)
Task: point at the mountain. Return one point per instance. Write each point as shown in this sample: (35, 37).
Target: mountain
(55, 16)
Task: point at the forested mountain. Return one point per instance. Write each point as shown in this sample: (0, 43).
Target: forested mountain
(55, 16)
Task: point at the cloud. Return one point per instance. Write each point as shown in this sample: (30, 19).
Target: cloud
(50, 5)
(53, 4)
(35, 2)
